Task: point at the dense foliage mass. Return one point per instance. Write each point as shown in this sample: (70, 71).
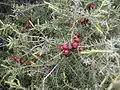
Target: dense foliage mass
(59, 45)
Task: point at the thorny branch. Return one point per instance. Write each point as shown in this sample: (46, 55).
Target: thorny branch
(43, 84)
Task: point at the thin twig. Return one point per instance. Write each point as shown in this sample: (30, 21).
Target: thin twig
(43, 84)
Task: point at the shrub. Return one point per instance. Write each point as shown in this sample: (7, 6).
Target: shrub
(61, 45)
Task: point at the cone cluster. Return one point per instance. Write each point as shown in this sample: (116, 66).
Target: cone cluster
(74, 46)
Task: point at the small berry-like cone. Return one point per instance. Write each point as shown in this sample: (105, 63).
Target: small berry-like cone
(74, 45)
(78, 40)
(61, 47)
(65, 46)
(81, 48)
(84, 21)
(15, 58)
(22, 60)
(12, 58)
(91, 6)
(66, 52)
(77, 35)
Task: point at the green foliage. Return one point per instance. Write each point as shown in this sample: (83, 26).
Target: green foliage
(95, 68)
